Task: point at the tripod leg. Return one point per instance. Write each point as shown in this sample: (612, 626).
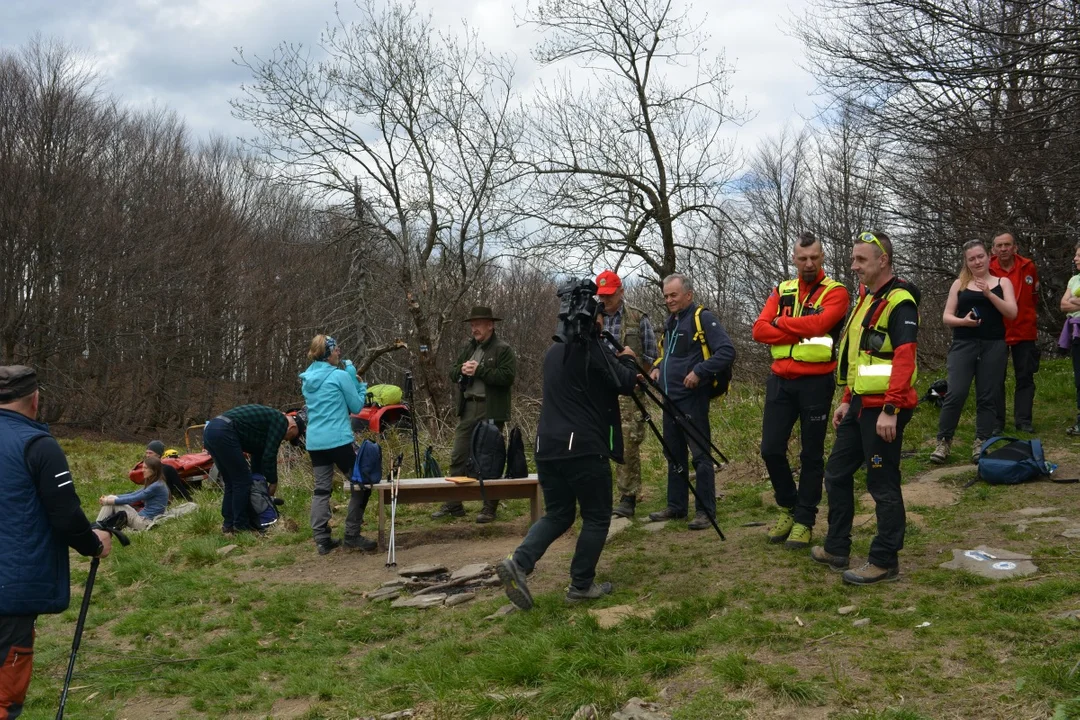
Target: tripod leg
(78, 634)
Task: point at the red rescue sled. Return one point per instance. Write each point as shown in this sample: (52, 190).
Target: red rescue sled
(191, 466)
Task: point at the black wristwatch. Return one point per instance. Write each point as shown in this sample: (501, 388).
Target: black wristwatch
(889, 409)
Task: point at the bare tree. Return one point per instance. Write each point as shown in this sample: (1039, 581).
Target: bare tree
(414, 129)
(624, 160)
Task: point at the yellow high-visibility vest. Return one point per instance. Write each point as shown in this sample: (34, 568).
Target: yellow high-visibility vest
(815, 349)
(869, 350)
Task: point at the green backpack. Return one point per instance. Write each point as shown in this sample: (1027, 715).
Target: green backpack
(383, 395)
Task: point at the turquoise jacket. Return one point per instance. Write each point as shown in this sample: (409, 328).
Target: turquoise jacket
(331, 394)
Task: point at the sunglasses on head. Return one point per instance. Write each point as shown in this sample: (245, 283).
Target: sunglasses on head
(869, 237)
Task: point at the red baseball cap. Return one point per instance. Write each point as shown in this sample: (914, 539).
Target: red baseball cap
(607, 283)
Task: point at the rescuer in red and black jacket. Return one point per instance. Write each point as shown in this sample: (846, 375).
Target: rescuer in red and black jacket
(801, 323)
(876, 366)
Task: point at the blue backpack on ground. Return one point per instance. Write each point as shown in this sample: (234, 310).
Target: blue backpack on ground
(262, 504)
(367, 470)
(1012, 464)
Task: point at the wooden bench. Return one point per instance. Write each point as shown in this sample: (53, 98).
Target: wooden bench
(428, 490)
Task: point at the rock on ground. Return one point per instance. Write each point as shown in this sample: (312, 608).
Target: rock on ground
(459, 599)
(638, 709)
(469, 572)
(504, 610)
(586, 712)
(227, 549)
(617, 526)
(421, 570)
(420, 601)
(609, 617)
(993, 563)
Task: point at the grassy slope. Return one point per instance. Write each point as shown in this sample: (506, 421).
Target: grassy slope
(174, 632)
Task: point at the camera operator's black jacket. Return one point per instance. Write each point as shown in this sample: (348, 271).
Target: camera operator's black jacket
(580, 412)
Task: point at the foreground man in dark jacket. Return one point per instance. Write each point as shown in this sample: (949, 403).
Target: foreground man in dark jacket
(43, 518)
(580, 430)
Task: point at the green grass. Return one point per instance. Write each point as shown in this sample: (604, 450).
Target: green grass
(741, 630)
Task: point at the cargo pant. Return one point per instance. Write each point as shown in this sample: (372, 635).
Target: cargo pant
(628, 474)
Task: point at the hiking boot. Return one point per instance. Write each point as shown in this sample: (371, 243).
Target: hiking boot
(487, 513)
(451, 509)
(835, 562)
(870, 573)
(228, 530)
(1025, 427)
(359, 542)
(513, 580)
(326, 546)
(941, 453)
(799, 537)
(976, 450)
(700, 521)
(574, 595)
(782, 528)
(626, 507)
(666, 514)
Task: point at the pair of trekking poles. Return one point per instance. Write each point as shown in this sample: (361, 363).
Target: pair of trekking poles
(113, 525)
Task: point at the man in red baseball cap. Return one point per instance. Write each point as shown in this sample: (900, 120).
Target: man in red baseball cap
(633, 329)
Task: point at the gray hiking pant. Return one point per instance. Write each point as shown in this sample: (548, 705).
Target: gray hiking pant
(323, 463)
(982, 361)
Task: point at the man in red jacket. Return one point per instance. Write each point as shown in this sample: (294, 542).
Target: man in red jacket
(801, 322)
(876, 367)
(1020, 332)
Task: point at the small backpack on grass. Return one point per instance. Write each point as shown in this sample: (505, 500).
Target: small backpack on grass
(263, 508)
(1012, 464)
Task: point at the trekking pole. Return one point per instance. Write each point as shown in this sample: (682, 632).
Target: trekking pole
(395, 477)
(84, 609)
(651, 388)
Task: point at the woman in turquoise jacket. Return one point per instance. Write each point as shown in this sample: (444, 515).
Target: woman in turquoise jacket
(331, 394)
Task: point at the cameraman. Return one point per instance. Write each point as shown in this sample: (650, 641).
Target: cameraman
(42, 518)
(579, 432)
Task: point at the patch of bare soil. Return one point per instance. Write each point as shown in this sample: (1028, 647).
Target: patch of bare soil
(157, 708)
(452, 545)
(289, 708)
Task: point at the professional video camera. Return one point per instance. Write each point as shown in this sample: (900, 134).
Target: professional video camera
(578, 309)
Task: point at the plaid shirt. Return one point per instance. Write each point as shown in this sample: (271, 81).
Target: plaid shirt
(261, 430)
(613, 325)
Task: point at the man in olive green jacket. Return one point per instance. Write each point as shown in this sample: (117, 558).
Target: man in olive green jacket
(483, 374)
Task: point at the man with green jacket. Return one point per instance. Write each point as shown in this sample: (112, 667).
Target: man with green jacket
(483, 374)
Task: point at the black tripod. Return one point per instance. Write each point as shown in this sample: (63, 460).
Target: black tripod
(413, 422)
(664, 402)
(112, 525)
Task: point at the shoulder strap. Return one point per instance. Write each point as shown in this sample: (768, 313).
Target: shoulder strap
(700, 334)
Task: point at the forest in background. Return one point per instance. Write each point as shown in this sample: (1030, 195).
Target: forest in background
(394, 177)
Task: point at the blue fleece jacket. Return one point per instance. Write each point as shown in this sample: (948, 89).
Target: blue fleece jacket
(331, 394)
(154, 497)
(682, 353)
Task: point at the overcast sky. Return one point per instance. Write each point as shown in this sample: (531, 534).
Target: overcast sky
(179, 53)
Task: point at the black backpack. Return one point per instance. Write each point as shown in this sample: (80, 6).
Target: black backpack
(516, 464)
(487, 451)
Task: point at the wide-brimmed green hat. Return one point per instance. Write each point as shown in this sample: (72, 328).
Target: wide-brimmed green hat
(479, 312)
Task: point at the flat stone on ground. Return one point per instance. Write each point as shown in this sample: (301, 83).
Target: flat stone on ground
(1070, 615)
(227, 549)
(420, 601)
(847, 609)
(861, 622)
(469, 572)
(385, 593)
(421, 570)
(618, 525)
(459, 599)
(609, 617)
(586, 712)
(504, 610)
(993, 563)
(1073, 532)
(655, 526)
(638, 709)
